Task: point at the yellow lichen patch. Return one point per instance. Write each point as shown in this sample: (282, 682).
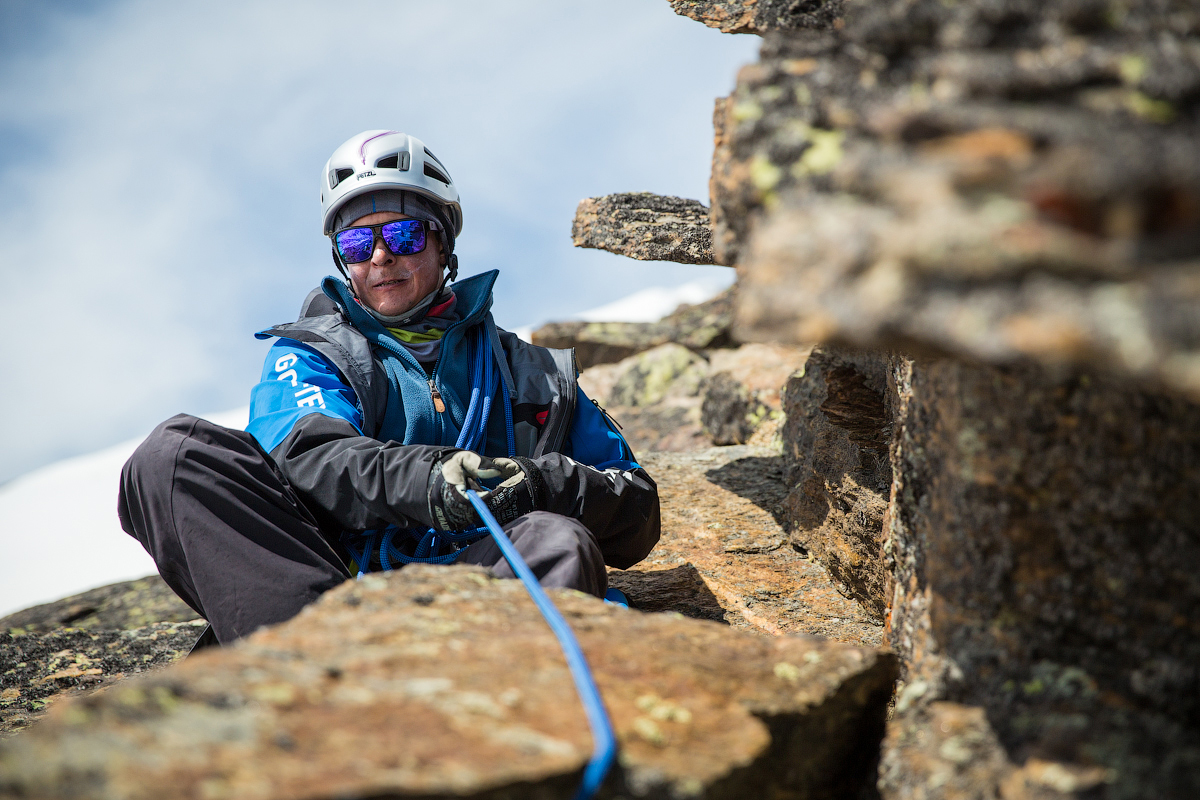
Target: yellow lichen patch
(663, 710)
(822, 155)
(763, 174)
(649, 731)
(787, 672)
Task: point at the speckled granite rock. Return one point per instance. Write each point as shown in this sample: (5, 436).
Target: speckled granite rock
(760, 16)
(1042, 535)
(701, 326)
(441, 682)
(1010, 182)
(645, 226)
(40, 669)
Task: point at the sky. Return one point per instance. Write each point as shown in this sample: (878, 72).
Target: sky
(159, 169)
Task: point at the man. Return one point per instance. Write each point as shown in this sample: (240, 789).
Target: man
(391, 396)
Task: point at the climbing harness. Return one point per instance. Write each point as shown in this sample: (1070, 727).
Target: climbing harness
(604, 741)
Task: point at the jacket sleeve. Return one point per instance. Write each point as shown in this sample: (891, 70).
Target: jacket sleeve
(307, 418)
(598, 482)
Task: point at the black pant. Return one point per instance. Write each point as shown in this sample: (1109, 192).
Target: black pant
(236, 543)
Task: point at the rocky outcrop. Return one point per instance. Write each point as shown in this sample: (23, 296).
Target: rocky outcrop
(760, 16)
(702, 326)
(837, 440)
(648, 227)
(1016, 186)
(389, 686)
(1006, 182)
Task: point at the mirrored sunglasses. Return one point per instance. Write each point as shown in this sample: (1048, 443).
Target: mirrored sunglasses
(403, 237)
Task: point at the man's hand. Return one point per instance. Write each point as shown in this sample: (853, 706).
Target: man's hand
(521, 489)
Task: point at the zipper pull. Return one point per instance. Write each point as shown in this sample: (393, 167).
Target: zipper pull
(438, 405)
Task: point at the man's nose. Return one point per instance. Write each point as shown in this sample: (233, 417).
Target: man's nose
(381, 256)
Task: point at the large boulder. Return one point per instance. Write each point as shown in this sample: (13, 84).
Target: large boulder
(443, 682)
(1041, 536)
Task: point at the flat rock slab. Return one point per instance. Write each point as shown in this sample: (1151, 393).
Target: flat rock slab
(724, 554)
(645, 226)
(760, 16)
(443, 682)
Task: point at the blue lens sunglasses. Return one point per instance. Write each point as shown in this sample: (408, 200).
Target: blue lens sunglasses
(402, 237)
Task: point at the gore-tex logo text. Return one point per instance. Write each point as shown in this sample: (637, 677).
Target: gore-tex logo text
(366, 174)
(308, 396)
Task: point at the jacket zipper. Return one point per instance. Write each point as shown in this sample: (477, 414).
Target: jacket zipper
(438, 404)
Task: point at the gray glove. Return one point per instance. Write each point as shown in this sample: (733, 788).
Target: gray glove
(521, 489)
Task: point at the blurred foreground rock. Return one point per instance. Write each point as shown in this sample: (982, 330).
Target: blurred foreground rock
(1008, 182)
(441, 682)
(1041, 537)
(648, 227)
(1015, 186)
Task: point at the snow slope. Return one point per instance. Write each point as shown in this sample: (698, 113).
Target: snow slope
(58, 525)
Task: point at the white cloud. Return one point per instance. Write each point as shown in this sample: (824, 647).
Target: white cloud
(162, 203)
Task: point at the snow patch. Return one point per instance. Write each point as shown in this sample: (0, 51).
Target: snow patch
(60, 529)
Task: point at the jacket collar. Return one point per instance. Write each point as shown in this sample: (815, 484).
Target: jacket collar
(474, 297)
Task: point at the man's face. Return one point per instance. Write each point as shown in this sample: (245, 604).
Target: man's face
(393, 284)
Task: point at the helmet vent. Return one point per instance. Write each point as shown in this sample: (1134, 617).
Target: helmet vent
(435, 173)
(339, 175)
(394, 161)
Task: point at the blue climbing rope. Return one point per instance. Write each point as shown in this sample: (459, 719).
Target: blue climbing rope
(604, 741)
(473, 436)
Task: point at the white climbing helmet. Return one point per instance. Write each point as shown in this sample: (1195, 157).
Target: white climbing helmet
(375, 160)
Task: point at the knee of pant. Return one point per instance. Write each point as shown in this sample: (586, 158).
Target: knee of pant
(566, 532)
(154, 459)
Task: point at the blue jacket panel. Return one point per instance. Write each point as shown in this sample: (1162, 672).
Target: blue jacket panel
(297, 381)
